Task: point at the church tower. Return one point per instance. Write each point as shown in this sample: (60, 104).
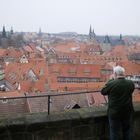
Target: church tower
(120, 37)
(40, 32)
(4, 32)
(92, 35)
(90, 32)
(11, 31)
(107, 39)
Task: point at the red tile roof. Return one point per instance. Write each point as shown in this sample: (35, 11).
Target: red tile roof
(13, 106)
(136, 98)
(70, 46)
(131, 68)
(79, 70)
(118, 51)
(76, 86)
(11, 94)
(96, 99)
(17, 72)
(2, 52)
(92, 47)
(12, 52)
(28, 49)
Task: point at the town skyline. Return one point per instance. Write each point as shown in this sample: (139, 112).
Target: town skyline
(106, 17)
(8, 30)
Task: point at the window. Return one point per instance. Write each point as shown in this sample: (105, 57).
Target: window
(72, 71)
(77, 79)
(4, 101)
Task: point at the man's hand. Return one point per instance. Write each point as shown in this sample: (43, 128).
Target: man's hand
(112, 76)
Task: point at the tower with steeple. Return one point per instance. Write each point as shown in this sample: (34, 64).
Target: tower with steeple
(92, 35)
(40, 32)
(107, 39)
(106, 44)
(90, 32)
(120, 37)
(11, 38)
(4, 38)
(120, 40)
(4, 32)
(11, 31)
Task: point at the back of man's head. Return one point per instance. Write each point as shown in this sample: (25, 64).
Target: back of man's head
(119, 71)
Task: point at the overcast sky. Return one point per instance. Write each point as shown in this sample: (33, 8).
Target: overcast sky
(105, 16)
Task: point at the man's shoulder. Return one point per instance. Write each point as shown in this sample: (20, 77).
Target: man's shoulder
(129, 81)
(113, 81)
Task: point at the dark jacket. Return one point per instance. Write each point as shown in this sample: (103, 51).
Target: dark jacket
(119, 93)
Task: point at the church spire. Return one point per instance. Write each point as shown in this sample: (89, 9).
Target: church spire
(94, 35)
(90, 32)
(120, 37)
(11, 31)
(40, 32)
(3, 32)
(107, 40)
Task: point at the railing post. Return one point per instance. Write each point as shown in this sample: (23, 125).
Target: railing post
(49, 97)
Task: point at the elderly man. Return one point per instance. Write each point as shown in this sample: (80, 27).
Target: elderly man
(120, 107)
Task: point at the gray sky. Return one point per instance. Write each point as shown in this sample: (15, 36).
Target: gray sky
(105, 16)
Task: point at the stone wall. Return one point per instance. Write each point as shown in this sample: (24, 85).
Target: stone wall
(80, 124)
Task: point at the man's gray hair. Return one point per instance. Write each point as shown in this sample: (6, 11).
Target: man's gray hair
(119, 70)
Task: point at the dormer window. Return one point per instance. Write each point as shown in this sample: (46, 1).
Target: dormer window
(4, 101)
(87, 71)
(72, 71)
(41, 72)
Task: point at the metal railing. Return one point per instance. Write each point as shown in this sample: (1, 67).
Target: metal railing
(52, 94)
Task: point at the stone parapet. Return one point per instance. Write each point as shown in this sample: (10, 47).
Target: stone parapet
(76, 124)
